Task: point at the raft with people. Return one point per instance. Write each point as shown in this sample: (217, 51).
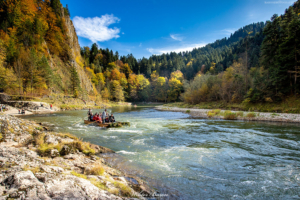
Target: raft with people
(104, 120)
(107, 125)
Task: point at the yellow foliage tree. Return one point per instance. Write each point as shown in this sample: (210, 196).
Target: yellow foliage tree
(178, 75)
(175, 88)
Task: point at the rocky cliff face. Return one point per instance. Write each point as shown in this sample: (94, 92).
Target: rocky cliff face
(75, 49)
(64, 171)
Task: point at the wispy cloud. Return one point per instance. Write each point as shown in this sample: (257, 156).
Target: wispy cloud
(228, 31)
(140, 45)
(279, 2)
(182, 48)
(97, 29)
(176, 37)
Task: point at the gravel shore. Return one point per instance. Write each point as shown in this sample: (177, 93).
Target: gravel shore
(259, 116)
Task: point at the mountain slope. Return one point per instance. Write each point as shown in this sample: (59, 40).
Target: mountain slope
(40, 48)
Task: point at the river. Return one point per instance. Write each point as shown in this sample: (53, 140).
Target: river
(197, 158)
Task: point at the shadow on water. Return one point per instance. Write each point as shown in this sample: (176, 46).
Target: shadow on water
(201, 158)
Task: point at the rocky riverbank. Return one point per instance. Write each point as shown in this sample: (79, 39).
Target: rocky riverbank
(235, 115)
(36, 164)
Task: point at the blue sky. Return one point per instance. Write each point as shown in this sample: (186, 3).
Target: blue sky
(146, 27)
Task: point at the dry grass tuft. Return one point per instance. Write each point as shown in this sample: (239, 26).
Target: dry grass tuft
(98, 184)
(84, 147)
(33, 170)
(97, 169)
(240, 114)
(251, 115)
(213, 113)
(78, 175)
(125, 189)
(230, 115)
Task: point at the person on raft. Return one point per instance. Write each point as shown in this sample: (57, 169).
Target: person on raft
(97, 118)
(104, 115)
(106, 119)
(90, 114)
(112, 118)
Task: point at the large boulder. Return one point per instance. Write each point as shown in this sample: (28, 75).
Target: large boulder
(24, 183)
(4, 98)
(51, 139)
(72, 187)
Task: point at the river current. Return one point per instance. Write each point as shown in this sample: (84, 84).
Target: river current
(196, 158)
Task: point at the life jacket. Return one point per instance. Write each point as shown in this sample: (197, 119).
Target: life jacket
(95, 118)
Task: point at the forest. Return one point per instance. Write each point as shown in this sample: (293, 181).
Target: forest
(257, 63)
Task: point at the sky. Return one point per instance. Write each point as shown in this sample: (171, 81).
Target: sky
(146, 27)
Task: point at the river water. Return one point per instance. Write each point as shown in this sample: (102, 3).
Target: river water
(197, 158)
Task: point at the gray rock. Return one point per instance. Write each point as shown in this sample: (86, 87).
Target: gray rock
(26, 181)
(52, 169)
(43, 177)
(65, 140)
(54, 153)
(51, 139)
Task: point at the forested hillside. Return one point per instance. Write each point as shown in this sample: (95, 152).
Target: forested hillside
(40, 55)
(269, 76)
(160, 78)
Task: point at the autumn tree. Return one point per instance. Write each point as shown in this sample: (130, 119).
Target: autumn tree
(175, 89)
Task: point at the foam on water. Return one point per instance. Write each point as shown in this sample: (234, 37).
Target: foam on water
(124, 131)
(126, 152)
(114, 137)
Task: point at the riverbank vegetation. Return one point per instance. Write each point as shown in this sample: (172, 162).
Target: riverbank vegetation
(288, 105)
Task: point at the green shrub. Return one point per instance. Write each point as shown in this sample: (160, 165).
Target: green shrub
(210, 114)
(217, 111)
(187, 111)
(44, 149)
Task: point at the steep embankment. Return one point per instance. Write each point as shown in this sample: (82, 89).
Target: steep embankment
(36, 164)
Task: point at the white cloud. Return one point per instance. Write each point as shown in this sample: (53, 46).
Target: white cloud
(176, 37)
(140, 45)
(97, 29)
(228, 31)
(279, 2)
(183, 48)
